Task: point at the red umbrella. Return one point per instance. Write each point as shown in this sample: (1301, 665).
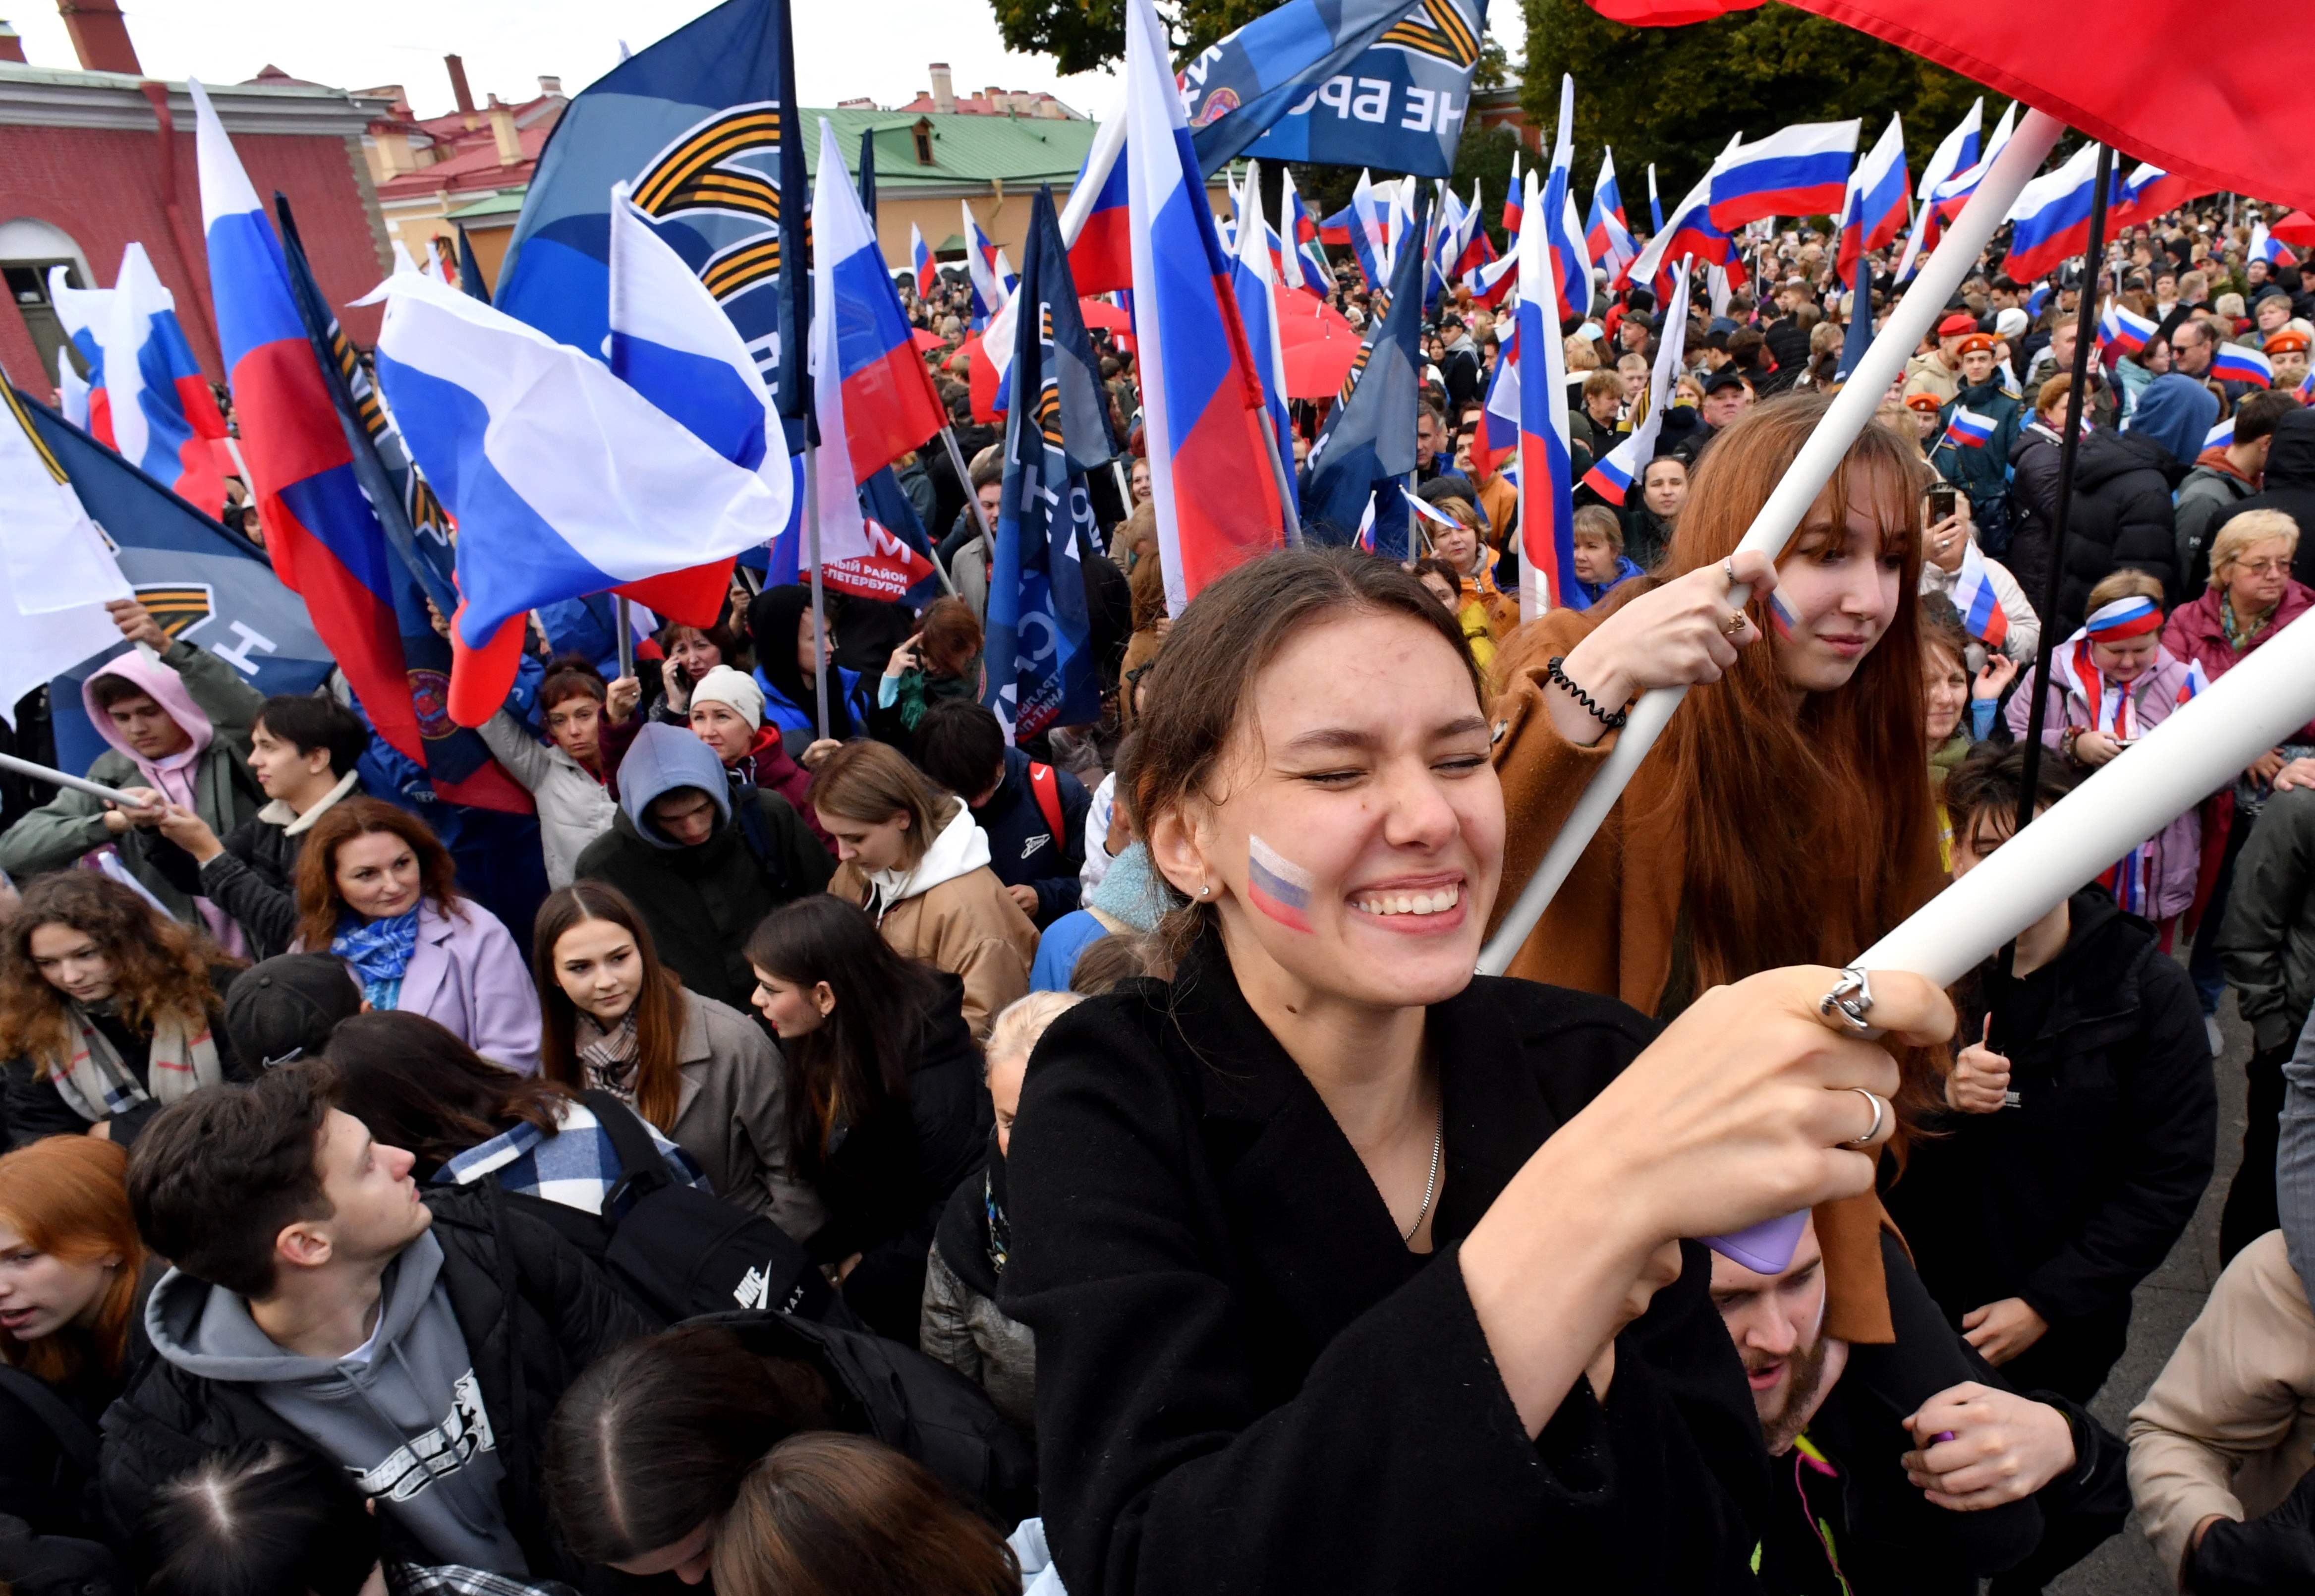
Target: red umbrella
(1101, 313)
(926, 340)
(1319, 345)
(2298, 228)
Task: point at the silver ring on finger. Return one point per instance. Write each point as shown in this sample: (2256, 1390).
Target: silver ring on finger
(1880, 1112)
(1852, 999)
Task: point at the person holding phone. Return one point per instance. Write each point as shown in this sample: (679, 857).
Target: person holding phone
(692, 651)
(1948, 542)
(940, 661)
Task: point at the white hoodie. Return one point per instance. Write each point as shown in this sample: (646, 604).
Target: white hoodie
(960, 849)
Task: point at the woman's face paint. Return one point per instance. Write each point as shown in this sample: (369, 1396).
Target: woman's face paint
(1278, 886)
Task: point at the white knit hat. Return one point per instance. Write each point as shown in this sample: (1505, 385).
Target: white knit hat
(735, 690)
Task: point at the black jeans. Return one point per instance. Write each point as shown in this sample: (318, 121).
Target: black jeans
(2250, 1211)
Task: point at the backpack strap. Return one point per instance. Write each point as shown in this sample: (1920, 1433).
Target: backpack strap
(642, 1168)
(1045, 787)
(72, 1431)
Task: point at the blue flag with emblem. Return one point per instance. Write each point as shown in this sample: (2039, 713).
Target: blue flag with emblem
(1040, 631)
(693, 126)
(1339, 82)
(1367, 449)
(202, 581)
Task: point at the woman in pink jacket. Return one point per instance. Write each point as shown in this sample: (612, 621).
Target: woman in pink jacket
(376, 889)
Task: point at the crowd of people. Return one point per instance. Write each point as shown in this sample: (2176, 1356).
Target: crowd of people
(879, 1157)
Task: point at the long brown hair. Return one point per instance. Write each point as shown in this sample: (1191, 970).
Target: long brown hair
(67, 1196)
(319, 906)
(418, 1087)
(160, 968)
(1808, 836)
(870, 783)
(659, 1001)
(831, 1514)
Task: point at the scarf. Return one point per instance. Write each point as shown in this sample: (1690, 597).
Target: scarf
(610, 1057)
(2238, 635)
(379, 952)
(97, 1085)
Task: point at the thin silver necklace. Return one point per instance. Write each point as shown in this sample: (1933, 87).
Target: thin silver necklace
(1430, 1186)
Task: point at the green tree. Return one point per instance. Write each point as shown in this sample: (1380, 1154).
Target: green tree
(1675, 96)
(1086, 35)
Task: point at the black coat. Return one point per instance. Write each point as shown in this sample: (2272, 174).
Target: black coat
(534, 1311)
(2288, 485)
(702, 902)
(2121, 516)
(1023, 850)
(2071, 1197)
(1246, 1381)
(887, 1179)
(255, 880)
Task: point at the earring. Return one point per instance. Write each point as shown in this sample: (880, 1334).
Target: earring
(1205, 891)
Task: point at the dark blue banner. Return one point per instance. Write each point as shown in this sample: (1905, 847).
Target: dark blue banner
(1367, 450)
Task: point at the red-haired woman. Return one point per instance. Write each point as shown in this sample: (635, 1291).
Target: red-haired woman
(108, 1010)
(376, 889)
(71, 1278)
(1782, 819)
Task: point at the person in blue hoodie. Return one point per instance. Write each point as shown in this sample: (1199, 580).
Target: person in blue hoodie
(702, 864)
(416, 1341)
(1035, 814)
(790, 652)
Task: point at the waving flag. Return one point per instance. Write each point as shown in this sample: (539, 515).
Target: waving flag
(2222, 436)
(1967, 429)
(1607, 238)
(2052, 218)
(1628, 462)
(2149, 191)
(1547, 512)
(1341, 82)
(1978, 603)
(2123, 329)
(1493, 283)
(1955, 151)
(162, 411)
(1798, 171)
(1570, 265)
(2239, 362)
(927, 275)
(1691, 233)
(72, 390)
(1039, 651)
(1251, 281)
(1496, 442)
(57, 572)
(989, 292)
(693, 125)
(2263, 246)
(1209, 476)
(564, 481)
(1874, 211)
(1512, 211)
(1367, 446)
(1094, 222)
(1954, 192)
(83, 314)
(1655, 206)
(1302, 237)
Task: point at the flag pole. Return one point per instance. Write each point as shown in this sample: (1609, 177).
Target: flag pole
(1910, 321)
(73, 783)
(972, 503)
(626, 628)
(819, 652)
(1285, 484)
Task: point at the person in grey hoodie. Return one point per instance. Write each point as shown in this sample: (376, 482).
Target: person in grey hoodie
(701, 864)
(418, 1341)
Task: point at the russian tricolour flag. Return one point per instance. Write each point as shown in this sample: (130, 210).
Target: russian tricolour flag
(1606, 236)
(2052, 217)
(1980, 605)
(1954, 192)
(1691, 232)
(1094, 222)
(1512, 207)
(920, 257)
(1496, 440)
(2123, 328)
(1493, 283)
(1256, 289)
(1547, 517)
(2149, 191)
(1369, 234)
(1210, 473)
(1955, 151)
(1798, 171)
(2222, 436)
(1571, 262)
(2239, 362)
(2266, 246)
(1622, 466)
(1874, 212)
(162, 412)
(1968, 428)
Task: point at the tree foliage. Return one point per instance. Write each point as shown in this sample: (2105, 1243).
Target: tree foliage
(1086, 35)
(1676, 95)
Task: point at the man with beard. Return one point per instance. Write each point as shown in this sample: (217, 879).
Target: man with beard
(1872, 1502)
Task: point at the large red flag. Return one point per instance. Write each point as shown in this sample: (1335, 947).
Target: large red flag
(2230, 119)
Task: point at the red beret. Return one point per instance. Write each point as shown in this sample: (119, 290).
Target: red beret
(1958, 325)
(1974, 342)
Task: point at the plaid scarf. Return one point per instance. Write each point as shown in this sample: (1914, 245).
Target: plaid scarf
(2238, 635)
(610, 1057)
(96, 1085)
(379, 951)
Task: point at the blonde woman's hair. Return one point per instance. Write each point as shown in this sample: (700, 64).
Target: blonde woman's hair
(2125, 583)
(869, 782)
(1022, 1021)
(2253, 526)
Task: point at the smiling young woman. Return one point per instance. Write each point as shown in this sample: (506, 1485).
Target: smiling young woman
(1329, 1224)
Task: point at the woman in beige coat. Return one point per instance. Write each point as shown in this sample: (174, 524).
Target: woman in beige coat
(705, 1075)
(911, 855)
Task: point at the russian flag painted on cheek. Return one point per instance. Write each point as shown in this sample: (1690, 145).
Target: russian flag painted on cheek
(322, 535)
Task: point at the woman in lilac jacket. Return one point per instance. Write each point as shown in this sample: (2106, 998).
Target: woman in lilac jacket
(375, 888)
(2110, 683)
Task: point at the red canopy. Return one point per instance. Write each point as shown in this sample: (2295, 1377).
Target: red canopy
(1319, 345)
(1101, 313)
(926, 340)
(2298, 228)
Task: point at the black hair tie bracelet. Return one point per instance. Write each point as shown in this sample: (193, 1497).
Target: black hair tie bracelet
(1614, 722)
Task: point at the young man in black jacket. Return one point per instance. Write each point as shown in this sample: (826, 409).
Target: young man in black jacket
(1035, 814)
(417, 1340)
(2080, 1122)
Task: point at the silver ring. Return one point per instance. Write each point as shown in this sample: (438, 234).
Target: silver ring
(1852, 999)
(1880, 1111)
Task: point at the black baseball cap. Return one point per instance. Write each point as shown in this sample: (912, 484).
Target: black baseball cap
(285, 1007)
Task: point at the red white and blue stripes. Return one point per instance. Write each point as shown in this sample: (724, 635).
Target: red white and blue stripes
(1975, 596)
(1621, 467)
(1571, 263)
(2052, 218)
(1798, 171)
(1968, 430)
(1956, 151)
(1547, 517)
(921, 258)
(1873, 211)
(1607, 235)
(2266, 246)
(2123, 329)
(2239, 362)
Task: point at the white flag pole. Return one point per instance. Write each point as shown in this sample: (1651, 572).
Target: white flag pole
(1914, 314)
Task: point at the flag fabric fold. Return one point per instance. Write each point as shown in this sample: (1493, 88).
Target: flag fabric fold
(1571, 263)
(1873, 211)
(1546, 514)
(1367, 447)
(1251, 281)
(1628, 462)
(1798, 171)
(160, 407)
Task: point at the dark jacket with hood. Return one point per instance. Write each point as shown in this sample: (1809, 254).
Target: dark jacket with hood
(2073, 1197)
(531, 1313)
(2289, 486)
(701, 902)
(2211, 489)
(1023, 850)
(2121, 516)
(2267, 939)
(1983, 474)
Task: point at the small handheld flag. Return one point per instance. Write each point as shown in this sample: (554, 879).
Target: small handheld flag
(2239, 362)
(1975, 596)
(1547, 516)
(1968, 428)
(2123, 328)
(921, 258)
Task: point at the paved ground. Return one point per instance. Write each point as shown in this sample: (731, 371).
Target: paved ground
(2165, 1304)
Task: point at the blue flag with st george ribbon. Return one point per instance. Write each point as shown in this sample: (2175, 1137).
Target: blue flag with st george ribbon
(697, 126)
(1040, 629)
(1384, 84)
(1367, 450)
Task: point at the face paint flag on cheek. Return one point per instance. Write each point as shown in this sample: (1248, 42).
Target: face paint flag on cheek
(1278, 886)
